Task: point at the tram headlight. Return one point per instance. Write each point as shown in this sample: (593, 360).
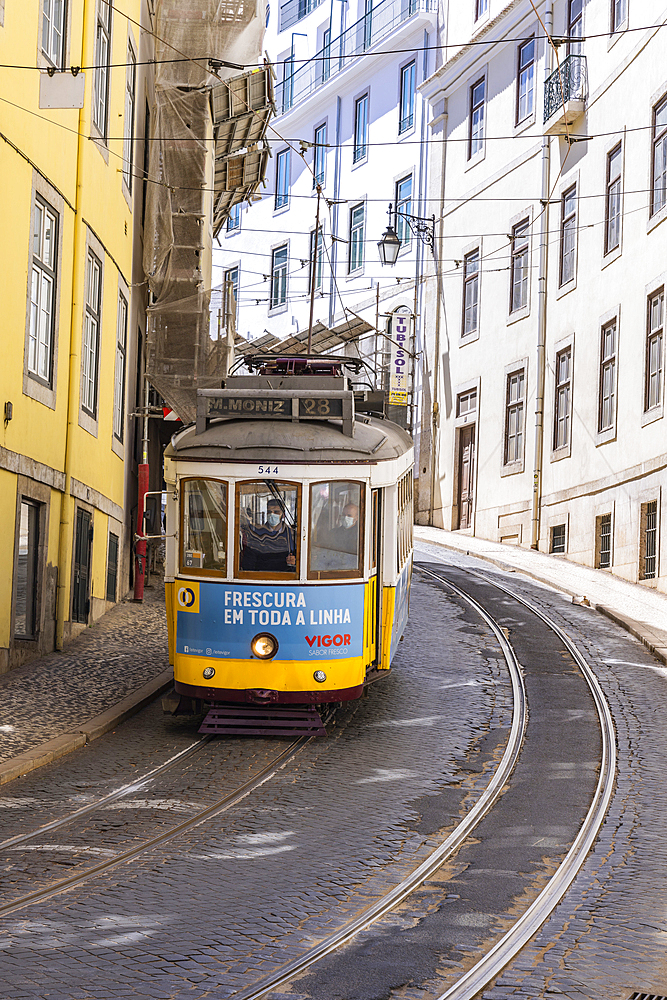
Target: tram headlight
(264, 645)
(209, 672)
(320, 676)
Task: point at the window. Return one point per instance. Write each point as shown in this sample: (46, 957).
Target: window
(481, 7)
(326, 55)
(607, 406)
(54, 23)
(612, 237)
(119, 381)
(476, 126)
(278, 277)
(234, 218)
(267, 15)
(319, 155)
(102, 66)
(112, 567)
(268, 515)
(204, 527)
(654, 339)
(466, 402)
(25, 609)
(557, 538)
(648, 544)
(357, 226)
(91, 334)
(128, 133)
(519, 266)
(618, 14)
(42, 291)
(282, 178)
(360, 128)
(288, 83)
(603, 541)
(407, 99)
(316, 259)
(232, 274)
(404, 209)
(336, 540)
(470, 292)
(514, 410)
(568, 235)
(659, 191)
(563, 401)
(575, 27)
(406, 518)
(525, 94)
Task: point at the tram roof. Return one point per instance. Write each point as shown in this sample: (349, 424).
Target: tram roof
(232, 440)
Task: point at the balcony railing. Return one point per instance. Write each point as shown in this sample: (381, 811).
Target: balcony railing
(334, 57)
(569, 82)
(293, 11)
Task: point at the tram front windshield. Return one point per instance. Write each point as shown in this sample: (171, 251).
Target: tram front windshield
(336, 530)
(268, 528)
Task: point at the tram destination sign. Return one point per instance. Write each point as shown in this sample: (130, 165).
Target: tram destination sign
(275, 405)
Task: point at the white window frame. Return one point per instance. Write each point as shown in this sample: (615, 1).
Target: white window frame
(654, 410)
(607, 361)
(90, 341)
(476, 120)
(519, 309)
(279, 303)
(529, 111)
(569, 224)
(512, 465)
(470, 281)
(130, 111)
(407, 97)
(42, 298)
(102, 71)
(613, 202)
(54, 31)
(120, 370)
(360, 142)
(319, 155)
(283, 169)
(563, 396)
(355, 258)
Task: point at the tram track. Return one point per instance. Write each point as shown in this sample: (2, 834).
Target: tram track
(215, 809)
(492, 963)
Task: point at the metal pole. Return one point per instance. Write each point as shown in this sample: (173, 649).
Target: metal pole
(542, 306)
(313, 265)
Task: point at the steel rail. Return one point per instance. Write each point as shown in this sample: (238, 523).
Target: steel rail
(453, 842)
(502, 953)
(133, 786)
(229, 800)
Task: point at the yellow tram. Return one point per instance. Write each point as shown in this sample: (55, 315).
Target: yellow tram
(289, 539)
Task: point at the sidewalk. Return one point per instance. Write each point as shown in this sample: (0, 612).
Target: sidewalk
(60, 702)
(640, 610)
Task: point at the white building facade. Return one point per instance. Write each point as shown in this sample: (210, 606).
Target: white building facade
(351, 120)
(545, 325)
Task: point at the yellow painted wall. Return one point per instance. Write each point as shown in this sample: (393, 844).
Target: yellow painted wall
(90, 179)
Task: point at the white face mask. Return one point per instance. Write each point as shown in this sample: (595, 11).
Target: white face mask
(273, 519)
(348, 522)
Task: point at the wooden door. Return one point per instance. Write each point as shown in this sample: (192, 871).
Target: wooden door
(81, 583)
(466, 474)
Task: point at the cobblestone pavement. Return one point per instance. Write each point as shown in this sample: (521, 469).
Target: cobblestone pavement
(123, 650)
(234, 898)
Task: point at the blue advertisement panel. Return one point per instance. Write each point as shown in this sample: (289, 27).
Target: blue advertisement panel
(221, 619)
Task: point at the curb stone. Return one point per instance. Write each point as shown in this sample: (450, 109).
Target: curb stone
(654, 639)
(59, 746)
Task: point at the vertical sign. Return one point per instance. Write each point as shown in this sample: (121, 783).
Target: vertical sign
(398, 367)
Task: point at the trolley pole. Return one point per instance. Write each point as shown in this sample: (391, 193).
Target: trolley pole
(313, 265)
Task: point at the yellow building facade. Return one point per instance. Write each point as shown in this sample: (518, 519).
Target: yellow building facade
(72, 322)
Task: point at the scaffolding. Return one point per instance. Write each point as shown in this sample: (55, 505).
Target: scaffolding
(207, 154)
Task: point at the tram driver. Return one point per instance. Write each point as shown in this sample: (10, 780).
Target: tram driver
(338, 547)
(269, 547)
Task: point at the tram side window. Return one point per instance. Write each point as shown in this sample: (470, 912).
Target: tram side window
(405, 520)
(336, 530)
(204, 514)
(267, 524)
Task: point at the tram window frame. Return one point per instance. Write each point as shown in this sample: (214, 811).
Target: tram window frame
(251, 574)
(218, 574)
(339, 574)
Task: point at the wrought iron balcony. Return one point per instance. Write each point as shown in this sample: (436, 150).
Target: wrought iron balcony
(565, 93)
(372, 28)
(292, 11)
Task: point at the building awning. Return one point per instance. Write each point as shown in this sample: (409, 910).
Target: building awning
(324, 339)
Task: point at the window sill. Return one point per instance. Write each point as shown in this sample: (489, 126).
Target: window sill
(99, 142)
(616, 34)
(469, 338)
(610, 256)
(38, 390)
(277, 310)
(281, 210)
(87, 422)
(564, 289)
(524, 124)
(518, 314)
(604, 437)
(558, 454)
(650, 416)
(117, 447)
(656, 219)
(476, 158)
(406, 133)
(512, 468)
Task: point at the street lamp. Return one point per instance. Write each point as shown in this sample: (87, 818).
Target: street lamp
(390, 244)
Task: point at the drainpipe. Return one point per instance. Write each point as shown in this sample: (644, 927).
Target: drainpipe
(66, 511)
(542, 305)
